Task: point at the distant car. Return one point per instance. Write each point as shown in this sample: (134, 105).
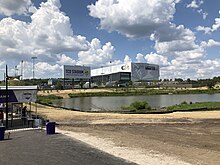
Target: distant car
(110, 85)
(122, 85)
(77, 86)
(92, 85)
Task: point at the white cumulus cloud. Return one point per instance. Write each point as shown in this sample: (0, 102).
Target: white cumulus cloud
(133, 18)
(145, 18)
(97, 54)
(47, 34)
(210, 29)
(157, 59)
(46, 70)
(11, 7)
(127, 59)
(140, 58)
(204, 14)
(65, 60)
(51, 29)
(206, 30)
(153, 20)
(210, 43)
(209, 68)
(195, 4)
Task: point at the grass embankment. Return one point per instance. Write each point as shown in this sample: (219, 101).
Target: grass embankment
(142, 107)
(47, 100)
(135, 92)
(195, 106)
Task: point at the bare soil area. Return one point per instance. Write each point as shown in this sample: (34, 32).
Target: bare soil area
(64, 93)
(192, 137)
(194, 142)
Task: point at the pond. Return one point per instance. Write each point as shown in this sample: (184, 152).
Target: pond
(114, 103)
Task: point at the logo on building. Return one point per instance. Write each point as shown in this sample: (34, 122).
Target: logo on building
(125, 67)
(27, 95)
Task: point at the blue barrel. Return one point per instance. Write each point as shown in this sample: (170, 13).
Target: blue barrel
(50, 127)
(2, 132)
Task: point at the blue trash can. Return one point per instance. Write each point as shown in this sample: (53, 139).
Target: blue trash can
(50, 127)
(2, 132)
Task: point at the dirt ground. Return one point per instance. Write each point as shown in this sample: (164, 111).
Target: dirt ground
(194, 143)
(64, 93)
(192, 137)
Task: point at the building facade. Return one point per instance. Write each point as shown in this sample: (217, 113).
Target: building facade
(75, 75)
(135, 72)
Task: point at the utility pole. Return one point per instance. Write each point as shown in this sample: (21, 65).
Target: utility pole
(22, 75)
(110, 71)
(6, 98)
(33, 58)
(102, 74)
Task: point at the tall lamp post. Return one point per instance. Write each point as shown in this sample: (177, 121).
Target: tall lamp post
(102, 74)
(22, 75)
(110, 71)
(6, 98)
(33, 58)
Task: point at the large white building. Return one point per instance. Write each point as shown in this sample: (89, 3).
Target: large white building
(135, 72)
(75, 75)
(76, 72)
(123, 73)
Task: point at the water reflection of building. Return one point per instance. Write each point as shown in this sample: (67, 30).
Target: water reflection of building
(135, 72)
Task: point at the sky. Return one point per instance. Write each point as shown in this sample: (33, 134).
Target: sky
(181, 36)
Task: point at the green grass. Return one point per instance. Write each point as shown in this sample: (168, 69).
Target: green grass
(141, 107)
(197, 91)
(138, 107)
(135, 92)
(94, 94)
(195, 106)
(47, 100)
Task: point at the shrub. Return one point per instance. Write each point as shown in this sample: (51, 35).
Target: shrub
(184, 102)
(140, 105)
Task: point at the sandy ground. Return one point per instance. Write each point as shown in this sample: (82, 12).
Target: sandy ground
(64, 93)
(176, 138)
(154, 143)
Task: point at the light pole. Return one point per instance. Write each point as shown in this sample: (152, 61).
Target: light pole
(6, 94)
(102, 74)
(22, 75)
(33, 58)
(110, 71)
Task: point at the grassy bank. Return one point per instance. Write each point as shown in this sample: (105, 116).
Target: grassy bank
(135, 92)
(194, 106)
(198, 106)
(47, 100)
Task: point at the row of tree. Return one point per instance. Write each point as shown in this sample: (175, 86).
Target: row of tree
(40, 82)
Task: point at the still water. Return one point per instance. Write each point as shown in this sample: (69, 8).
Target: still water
(116, 102)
